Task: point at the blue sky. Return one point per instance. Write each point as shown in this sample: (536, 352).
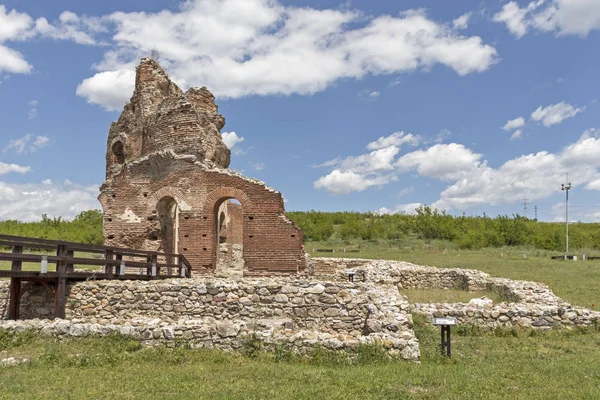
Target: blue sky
(468, 106)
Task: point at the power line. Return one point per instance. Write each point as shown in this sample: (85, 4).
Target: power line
(525, 207)
(535, 208)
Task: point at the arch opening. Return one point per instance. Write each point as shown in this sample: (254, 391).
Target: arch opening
(118, 152)
(168, 217)
(229, 237)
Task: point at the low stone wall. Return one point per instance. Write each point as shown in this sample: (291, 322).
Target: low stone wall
(221, 313)
(528, 304)
(297, 313)
(407, 275)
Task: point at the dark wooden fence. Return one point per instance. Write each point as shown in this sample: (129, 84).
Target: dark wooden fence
(110, 263)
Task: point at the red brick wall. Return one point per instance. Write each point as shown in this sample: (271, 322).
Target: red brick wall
(271, 243)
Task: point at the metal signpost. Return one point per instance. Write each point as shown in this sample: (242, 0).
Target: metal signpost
(445, 324)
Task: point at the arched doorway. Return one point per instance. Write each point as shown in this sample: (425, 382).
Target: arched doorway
(229, 237)
(168, 216)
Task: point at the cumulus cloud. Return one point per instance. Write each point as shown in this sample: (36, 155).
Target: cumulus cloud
(535, 173)
(514, 124)
(261, 47)
(28, 144)
(109, 89)
(563, 17)
(555, 114)
(231, 139)
(7, 168)
(471, 180)
(375, 168)
(13, 26)
(462, 22)
(395, 139)
(28, 201)
(71, 27)
(18, 26)
(442, 161)
(343, 182)
(518, 134)
(258, 166)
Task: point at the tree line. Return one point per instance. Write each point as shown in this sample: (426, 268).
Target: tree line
(467, 232)
(84, 228)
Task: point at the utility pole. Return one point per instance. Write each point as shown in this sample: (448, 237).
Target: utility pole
(535, 209)
(566, 188)
(525, 207)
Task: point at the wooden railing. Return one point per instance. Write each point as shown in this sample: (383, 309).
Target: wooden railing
(117, 263)
(114, 263)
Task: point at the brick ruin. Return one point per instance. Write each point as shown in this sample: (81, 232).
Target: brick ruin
(168, 187)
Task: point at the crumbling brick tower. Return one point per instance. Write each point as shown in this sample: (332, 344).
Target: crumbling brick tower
(167, 176)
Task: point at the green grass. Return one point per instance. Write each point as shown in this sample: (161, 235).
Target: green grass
(574, 281)
(555, 365)
(447, 295)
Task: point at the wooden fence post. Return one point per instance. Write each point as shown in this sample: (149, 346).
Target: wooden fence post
(108, 267)
(60, 299)
(15, 287)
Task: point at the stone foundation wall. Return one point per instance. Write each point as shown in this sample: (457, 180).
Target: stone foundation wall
(221, 313)
(527, 304)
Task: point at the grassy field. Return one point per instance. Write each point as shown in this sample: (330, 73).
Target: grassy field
(555, 365)
(575, 281)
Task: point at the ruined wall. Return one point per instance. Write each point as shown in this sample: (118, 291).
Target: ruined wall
(221, 313)
(527, 304)
(166, 149)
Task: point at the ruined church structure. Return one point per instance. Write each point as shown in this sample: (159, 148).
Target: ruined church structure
(168, 187)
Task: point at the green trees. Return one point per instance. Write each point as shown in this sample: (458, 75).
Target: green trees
(84, 228)
(467, 232)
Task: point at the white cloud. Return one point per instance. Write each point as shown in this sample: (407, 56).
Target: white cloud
(71, 27)
(28, 144)
(471, 181)
(442, 161)
(260, 47)
(518, 134)
(555, 113)
(375, 161)
(258, 166)
(47, 181)
(27, 202)
(357, 173)
(395, 139)
(109, 89)
(17, 26)
(7, 168)
(462, 22)
(408, 208)
(13, 61)
(343, 182)
(564, 17)
(514, 124)
(536, 173)
(231, 139)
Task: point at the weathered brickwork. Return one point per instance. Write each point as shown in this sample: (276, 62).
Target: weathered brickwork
(167, 176)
